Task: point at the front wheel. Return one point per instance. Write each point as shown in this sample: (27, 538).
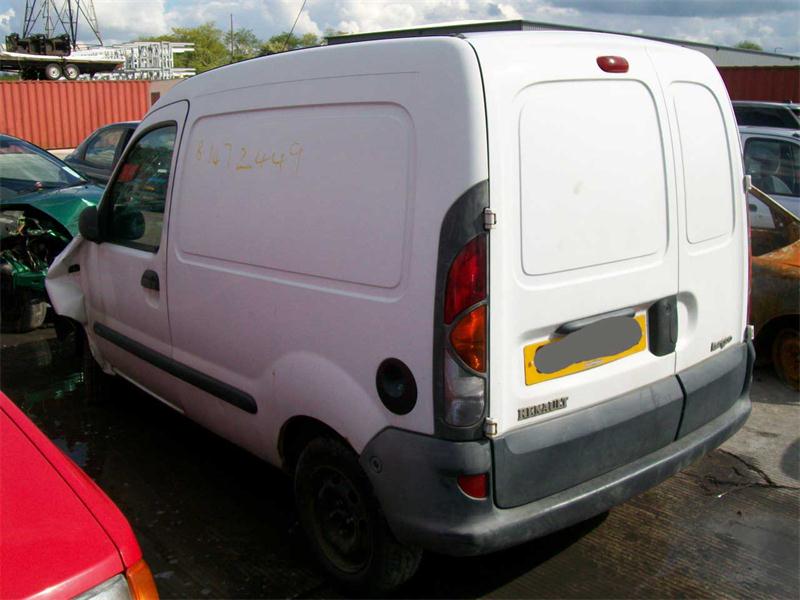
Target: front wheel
(344, 523)
(52, 71)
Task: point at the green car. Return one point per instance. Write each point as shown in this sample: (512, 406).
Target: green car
(41, 199)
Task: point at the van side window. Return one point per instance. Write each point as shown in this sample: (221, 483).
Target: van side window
(136, 200)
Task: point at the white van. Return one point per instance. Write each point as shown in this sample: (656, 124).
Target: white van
(467, 290)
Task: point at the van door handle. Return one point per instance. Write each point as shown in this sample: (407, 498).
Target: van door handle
(572, 326)
(150, 280)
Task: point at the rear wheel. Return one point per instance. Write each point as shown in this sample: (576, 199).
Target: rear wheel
(786, 356)
(52, 71)
(71, 72)
(344, 523)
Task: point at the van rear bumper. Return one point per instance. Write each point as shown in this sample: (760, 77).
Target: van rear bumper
(414, 477)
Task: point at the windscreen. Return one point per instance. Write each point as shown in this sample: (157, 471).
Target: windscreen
(25, 169)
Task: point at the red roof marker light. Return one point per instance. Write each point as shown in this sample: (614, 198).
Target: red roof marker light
(613, 64)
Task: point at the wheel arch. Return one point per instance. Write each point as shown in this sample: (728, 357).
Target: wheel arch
(297, 432)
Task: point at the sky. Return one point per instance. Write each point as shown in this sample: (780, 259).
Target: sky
(774, 24)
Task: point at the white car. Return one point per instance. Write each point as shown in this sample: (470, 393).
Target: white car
(772, 159)
(460, 304)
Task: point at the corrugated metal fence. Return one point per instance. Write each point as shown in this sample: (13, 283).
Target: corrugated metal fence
(771, 84)
(60, 114)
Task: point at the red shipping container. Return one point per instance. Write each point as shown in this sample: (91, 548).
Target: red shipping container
(770, 84)
(60, 114)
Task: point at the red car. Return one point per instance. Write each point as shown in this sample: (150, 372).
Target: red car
(60, 535)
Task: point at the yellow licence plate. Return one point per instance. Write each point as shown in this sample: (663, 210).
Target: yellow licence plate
(597, 344)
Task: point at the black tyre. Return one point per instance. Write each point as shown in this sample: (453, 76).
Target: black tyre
(786, 356)
(52, 71)
(97, 382)
(22, 312)
(71, 71)
(344, 522)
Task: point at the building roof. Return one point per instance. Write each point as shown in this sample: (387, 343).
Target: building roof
(722, 56)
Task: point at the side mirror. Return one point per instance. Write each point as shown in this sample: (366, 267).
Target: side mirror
(89, 224)
(128, 225)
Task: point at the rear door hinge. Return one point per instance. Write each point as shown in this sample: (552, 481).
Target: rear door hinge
(490, 427)
(489, 219)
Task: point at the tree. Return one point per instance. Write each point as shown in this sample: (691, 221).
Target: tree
(245, 44)
(209, 50)
(748, 45)
(331, 32)
(285, 41)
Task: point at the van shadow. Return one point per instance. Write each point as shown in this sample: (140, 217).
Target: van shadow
(472, 577)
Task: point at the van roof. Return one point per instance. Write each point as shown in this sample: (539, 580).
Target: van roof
(283, 67)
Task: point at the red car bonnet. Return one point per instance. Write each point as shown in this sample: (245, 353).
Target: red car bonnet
(59, 533)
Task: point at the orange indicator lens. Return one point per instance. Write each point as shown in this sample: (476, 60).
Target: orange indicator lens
(468, 338)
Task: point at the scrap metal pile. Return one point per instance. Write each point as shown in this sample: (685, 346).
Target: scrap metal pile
(28, 244)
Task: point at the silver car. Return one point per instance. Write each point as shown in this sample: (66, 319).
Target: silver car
(772, 159)
(783, 115)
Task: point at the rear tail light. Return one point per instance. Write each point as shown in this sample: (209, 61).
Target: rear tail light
(140, 582)
(465, 357)
(464, 394)
(466, 282)
(474, 486)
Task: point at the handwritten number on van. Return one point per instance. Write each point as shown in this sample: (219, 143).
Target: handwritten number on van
(213, 156)
(296, 150)
(242, 165)
(279, 163)
(275, 158)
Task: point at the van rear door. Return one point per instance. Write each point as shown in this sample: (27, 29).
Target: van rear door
(713, 234)
(581, 178)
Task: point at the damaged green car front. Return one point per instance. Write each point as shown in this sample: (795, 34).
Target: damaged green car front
(41, 199)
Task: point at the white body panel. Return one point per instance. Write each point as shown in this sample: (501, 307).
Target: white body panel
(712, 302)
(593, 241)
(293, 281)
(308, 194)
(587, 184)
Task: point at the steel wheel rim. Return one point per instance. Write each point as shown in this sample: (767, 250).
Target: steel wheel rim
(52, 71)
(341, 520)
